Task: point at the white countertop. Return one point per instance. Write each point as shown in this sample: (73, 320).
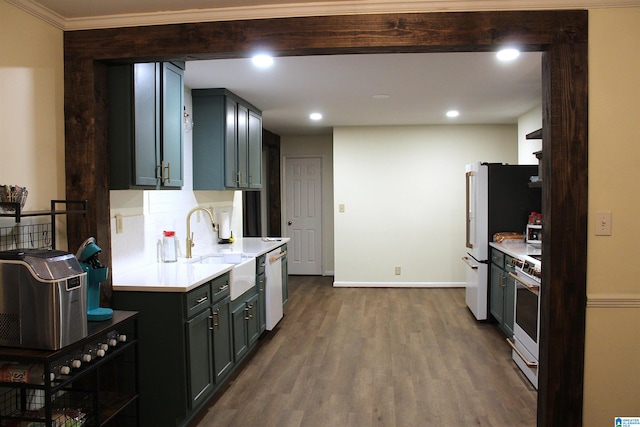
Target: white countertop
(183, 276)
(519, 250)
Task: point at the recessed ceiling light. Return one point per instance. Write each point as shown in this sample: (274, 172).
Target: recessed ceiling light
(380, 96)
(508, 54)
(315, 116)
(453, 113)
(262, 60)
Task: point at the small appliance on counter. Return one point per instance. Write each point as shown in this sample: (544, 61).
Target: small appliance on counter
(44, 303)
(96, 273)
(534, 230)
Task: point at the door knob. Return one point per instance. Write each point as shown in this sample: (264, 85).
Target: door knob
(289, 222)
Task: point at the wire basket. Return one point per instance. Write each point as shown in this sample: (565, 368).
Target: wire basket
(20, 407)
(12, 194)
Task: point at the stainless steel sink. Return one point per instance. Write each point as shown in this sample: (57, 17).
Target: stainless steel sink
(242, 276)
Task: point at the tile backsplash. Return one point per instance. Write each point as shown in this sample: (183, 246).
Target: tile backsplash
(138, 219)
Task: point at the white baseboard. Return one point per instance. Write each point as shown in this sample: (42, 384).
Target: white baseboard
(399, 284)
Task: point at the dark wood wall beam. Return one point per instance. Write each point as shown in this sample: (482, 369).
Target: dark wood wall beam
(561, 35)
(431, 32)
(565, 167)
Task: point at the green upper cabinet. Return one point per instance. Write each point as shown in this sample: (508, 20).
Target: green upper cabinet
(227, 142)
(146, 104)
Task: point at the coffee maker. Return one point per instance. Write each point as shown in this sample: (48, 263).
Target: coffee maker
(96, 273)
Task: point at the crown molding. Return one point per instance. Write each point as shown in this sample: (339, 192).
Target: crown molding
(326, 8)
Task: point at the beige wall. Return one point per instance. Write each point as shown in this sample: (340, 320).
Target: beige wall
(613, 308)
(403, 192)
(32, 111)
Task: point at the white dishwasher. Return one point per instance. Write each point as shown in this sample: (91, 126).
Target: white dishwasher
(274, 287)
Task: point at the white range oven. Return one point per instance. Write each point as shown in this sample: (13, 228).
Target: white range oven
(526, 327)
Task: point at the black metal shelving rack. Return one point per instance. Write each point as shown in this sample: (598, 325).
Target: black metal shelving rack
(14, 210)
(102, 392)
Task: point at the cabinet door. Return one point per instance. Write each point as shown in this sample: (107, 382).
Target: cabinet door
(496, 293)
(146, 87)
(243, 146)
(255, 150)
(253, 320)
(199, 347)
(230, 143)
(172, 129)
(285, 277)
(261, 280)
(509, 300)
(240, 340)
(222, 344)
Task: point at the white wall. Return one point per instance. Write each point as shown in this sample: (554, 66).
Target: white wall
(403, 191)
(527, 123)
(320, 146)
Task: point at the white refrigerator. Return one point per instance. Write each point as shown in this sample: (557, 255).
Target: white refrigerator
(498, 199)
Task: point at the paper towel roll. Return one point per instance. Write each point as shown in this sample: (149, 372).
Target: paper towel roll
(224, 227)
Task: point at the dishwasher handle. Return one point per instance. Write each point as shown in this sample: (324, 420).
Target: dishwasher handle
(277, 257)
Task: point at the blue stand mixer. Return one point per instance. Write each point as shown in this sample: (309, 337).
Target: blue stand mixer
(96, 273)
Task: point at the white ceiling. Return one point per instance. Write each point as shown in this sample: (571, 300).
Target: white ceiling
(421, 87)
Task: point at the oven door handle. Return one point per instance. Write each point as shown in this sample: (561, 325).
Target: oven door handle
(469, 263)
(519, 353)
(532, 288)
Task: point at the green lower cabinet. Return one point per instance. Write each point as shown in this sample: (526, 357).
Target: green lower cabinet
(253, 320)
(509, 299)
(285, 275)
(222, 343)
(245, 315)
(200, 345)
(185, 349)
(496, 301)
(502, 291)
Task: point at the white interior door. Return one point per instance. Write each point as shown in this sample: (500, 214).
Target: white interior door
(303, 219)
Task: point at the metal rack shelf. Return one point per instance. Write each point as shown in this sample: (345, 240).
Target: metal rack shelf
(35, 236)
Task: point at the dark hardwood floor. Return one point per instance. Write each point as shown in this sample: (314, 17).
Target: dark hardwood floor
(376, 357)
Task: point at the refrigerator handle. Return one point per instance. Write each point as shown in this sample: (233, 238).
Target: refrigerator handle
(469, 244)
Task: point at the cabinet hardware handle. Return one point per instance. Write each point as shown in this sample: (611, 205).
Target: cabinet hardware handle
(168, 172)
(223, 288)
(502, 282)
(215, 317)
(213, 322)
(524, 359)
(201, 300)
(246, 313)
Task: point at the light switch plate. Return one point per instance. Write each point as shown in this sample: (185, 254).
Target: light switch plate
(603, 223)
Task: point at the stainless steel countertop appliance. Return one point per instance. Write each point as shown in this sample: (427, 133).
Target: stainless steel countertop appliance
(43, 302)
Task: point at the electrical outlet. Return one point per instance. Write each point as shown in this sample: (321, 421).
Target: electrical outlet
(397, 271)
(603, 223)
